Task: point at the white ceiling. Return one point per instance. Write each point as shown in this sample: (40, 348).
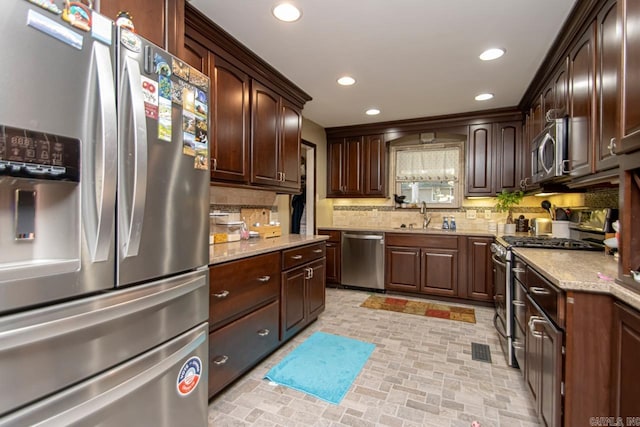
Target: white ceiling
(411, 58)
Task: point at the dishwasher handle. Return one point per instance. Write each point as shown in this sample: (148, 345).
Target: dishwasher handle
(363, 236)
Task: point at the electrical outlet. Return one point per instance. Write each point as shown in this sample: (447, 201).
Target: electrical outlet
(471, 214)
(487, 214)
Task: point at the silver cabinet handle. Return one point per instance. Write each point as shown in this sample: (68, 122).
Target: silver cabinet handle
(612, 147)
(296, 256)
(317, 251)
(263, 332)
(222, 294)
(264, 279)
(309, 272)
(533, 320)
(518, 303)
(518, 270)
(214, 164)
(220, 360)
(539, 291)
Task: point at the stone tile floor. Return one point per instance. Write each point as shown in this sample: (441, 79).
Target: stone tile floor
(420, 374)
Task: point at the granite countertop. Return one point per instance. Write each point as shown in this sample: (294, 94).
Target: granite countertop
(575, 270)
(246, 248)
(418, 230)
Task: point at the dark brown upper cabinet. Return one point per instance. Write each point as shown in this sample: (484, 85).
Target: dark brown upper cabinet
(608, 56)
(629, 78)
(581, 104)
(357, 166)
(229, 110)
(275, 139)
(493, 158)
(159, 21)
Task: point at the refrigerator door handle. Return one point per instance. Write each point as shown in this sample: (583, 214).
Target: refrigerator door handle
(99, 187)
(132, 221)
(22, 337)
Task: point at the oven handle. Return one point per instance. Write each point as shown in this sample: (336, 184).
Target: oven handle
(495, 324)
(497, 261)
(518, 303)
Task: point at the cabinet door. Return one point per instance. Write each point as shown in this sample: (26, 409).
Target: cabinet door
(551, 374)
(316, 290)
(560, 90)
(333, 262)
(480, 269)
(265, 155)
(290, 145)
(508, 137)
(548, 102)
(625, 381)
(525, 156)
(537, 117)
(479, 161)
(606, 85)
(293, 315)
(374, 163)
(581, 102)
(230, 117)
(353, 175)
(335, 167)
(439, 272)
(629, 78)
(402, 269)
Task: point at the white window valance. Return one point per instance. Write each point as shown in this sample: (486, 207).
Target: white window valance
(437, 165)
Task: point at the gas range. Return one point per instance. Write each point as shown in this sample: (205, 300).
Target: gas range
(550, 243)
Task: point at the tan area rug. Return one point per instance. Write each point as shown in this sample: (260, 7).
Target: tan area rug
(401, 305)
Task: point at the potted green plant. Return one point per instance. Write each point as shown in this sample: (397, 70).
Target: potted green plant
(506, 201)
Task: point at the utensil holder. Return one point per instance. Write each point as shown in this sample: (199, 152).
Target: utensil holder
(560, 229)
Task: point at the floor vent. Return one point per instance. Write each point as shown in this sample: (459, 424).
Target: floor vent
(480, 352)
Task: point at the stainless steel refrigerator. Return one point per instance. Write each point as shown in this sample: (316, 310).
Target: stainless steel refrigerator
(104, 199)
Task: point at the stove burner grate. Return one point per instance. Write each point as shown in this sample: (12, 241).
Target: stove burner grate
(550, 243)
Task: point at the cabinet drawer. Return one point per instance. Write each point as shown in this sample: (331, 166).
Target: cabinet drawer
(334, 235)
(422, 240)
(302, 255)
(238, 346)
(547, 296)
(237, 287)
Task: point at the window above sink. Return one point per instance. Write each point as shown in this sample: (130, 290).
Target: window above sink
(430, 172)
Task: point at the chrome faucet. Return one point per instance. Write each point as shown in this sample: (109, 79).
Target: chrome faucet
(426, 218)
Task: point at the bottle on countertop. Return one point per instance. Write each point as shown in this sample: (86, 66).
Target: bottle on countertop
(445, 223)
(452, 224)
(244, 231)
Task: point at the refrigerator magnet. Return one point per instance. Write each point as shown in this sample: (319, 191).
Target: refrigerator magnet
(189, 122)
(77, 14)
(47, 5)
(150, 97)
(130, 41)
(188, 144)
(189, 99)
(201, 125)
(164, 119)
(162, 68)
(164, 87)
(201, 161)
(189, 376)
(177, 87)
(198, 79)
(180, 69)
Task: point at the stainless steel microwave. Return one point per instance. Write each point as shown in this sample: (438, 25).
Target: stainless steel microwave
(549, 152)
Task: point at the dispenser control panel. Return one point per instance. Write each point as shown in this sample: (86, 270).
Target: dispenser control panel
(30, 154)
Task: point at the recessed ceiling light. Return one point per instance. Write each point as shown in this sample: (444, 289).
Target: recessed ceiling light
(372, 112)
(287, 12)
(491, 54)
(484, 96)
(346, 81)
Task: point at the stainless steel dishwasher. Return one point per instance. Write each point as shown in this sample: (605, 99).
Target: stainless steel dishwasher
(363, 259)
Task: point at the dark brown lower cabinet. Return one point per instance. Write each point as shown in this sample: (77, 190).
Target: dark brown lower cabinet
(333, 253)
(543, 366)
(302, 297)
(402, 269)
(235, 348)
(625, 396)
(479, 269)
(439, 272)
